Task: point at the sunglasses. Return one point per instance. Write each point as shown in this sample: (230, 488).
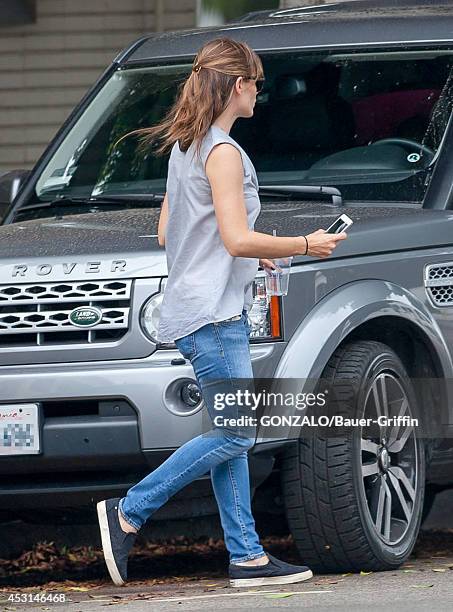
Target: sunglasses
(259, 83)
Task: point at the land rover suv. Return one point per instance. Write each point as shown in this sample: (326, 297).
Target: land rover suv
(355, 118)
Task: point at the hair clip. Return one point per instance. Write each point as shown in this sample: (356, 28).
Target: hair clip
(196, 68)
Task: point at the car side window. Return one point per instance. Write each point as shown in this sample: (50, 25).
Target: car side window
(369, 124)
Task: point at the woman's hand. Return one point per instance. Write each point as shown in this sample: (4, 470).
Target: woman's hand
(322, 243)
(267, 264)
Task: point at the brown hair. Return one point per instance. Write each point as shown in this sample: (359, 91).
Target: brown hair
(204, 95)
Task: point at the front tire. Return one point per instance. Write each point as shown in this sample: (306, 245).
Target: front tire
(355, 502)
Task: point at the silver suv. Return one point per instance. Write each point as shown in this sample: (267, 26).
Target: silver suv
(355, 118)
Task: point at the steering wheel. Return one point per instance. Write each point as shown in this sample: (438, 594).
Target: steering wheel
(407, 144)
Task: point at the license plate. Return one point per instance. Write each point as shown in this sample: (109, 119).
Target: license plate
(20, 429)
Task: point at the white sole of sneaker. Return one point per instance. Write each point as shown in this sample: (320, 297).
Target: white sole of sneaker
(271, 580)
(107, 544)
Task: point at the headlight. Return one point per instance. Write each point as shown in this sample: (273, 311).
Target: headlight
(264, 315)
(149, 318)
(150, 315)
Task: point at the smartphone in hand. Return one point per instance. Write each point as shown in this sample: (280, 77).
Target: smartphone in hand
(339, 225)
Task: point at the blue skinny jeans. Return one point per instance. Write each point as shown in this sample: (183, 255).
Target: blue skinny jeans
(220, 356)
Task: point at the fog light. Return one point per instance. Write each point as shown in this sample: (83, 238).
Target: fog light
(191, 394)
(182, 396)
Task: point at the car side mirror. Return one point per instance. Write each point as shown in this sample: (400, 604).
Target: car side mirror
(10, 185)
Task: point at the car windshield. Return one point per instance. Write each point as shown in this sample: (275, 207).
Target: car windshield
(367, 123)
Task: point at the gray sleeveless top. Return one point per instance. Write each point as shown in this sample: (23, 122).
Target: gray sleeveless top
(205, 283)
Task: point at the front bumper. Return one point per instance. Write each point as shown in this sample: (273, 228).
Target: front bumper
(104, 423)
(142, 383)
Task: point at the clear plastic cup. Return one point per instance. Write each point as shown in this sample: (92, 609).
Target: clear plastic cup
(277, 280)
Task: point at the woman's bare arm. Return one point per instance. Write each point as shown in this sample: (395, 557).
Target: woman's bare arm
(162, 222)
(225, 173)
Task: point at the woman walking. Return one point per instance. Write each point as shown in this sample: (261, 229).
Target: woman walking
(213, 253)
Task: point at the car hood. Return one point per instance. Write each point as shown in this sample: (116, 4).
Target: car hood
(131, 234)
(108, 244)
(113, 231)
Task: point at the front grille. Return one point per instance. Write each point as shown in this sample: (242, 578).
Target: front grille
(38, 313)
(439, 283)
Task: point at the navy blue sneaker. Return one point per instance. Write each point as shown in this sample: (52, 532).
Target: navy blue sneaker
(273, 572)
(116, 543)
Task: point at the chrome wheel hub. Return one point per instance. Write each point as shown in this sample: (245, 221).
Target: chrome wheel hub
(389, 459)
(384, 459)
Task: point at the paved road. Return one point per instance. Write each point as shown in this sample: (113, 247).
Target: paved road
(416, 586)
(424, 582)
(199, 583)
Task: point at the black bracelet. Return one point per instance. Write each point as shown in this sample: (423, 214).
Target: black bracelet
(306, 250)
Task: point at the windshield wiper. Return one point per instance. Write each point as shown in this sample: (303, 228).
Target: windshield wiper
(309, 190)
(119, 199)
